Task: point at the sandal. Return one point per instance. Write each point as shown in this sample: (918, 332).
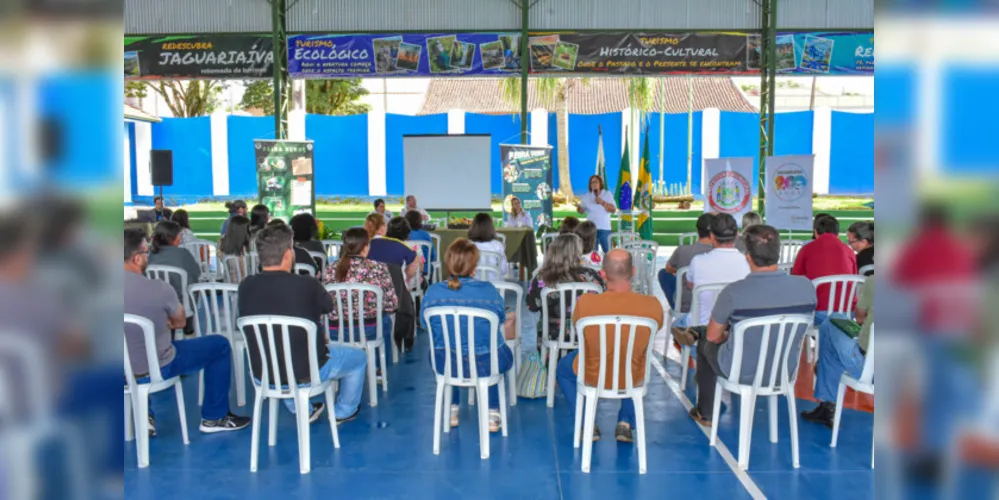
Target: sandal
(495, 421)
(596, 434)
(696, 415)
(455, 409)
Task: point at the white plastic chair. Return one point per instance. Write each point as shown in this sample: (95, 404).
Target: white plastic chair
(215, 305)
(139, 393)
(609, 371)
(170, 275)
(202, 252)
(842, 292)
(687, 239)
(304, 270)
(426, 270)
(546, 240)
(789, 250)
(332, 249)
(501, 237)
(620, 238)
(567, 339)
(492, 260)
(786, 267)
(869, 268)
(237, 267)
(350, 328)
(864, 384)
(693, 319)
(504, 287)
(778, 382)
(269, 334)
(321, 259)
(465, 344)
(488, 273)
(644, 254)
(437, 263)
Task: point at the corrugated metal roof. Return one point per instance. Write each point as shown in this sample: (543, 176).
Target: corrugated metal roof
(600, 95)
(196, 16)
(334, 16)
(826, 14)
(652, 15)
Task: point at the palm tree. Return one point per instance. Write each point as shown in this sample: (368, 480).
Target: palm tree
(551, 93)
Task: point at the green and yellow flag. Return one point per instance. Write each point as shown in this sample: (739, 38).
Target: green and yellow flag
(624, 190)
(643, 193)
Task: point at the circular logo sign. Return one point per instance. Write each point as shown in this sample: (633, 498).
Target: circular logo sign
(729, 192)
(790, 183)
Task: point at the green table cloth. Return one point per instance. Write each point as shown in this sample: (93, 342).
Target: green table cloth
(520, 246)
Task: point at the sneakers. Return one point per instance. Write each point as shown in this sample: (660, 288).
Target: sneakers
(317, 410)
(227, 423)
(348, 418)
(623, 433)
(152, 427)
(455, 409)
(495, 421)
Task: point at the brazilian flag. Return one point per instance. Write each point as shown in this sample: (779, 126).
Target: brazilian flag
(623, 194)
(643, 193)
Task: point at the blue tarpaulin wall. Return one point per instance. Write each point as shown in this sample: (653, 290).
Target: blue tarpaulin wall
(341, 160)
(674, 150)
(504, 129)
(583, 130)
(191, 142)
(242, 158)
(851, 154)
(64, 99)
(740, 136)
(397, 126)
(968, 135)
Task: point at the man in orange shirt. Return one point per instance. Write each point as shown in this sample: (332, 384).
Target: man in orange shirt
(617, 271)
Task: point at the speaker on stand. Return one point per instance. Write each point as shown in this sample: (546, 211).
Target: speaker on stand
(161, 168)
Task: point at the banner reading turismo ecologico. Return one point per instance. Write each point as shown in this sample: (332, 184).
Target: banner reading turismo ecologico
(285, 177)
(527, 175)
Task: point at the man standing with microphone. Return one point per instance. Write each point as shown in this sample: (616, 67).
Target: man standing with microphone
(597, 205)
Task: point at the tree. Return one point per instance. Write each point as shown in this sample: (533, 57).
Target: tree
(135, 90)
(184, 98)
(552, 93)
(337, 97)
(259, 94)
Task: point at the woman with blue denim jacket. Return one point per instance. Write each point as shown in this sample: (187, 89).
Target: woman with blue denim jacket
(463, 290)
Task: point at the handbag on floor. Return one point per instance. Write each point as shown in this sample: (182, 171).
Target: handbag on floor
(532, 379)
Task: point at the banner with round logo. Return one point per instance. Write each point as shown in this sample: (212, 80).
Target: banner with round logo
(789, 191)
(728, 186)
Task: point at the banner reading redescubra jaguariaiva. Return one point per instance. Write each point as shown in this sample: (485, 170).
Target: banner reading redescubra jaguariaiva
(217, 57)
(527, 175)
(285, 176)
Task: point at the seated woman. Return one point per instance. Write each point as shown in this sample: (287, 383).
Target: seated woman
(587, 232)
(569, 224)
(166, 251)
(483, 234)
(415, 220)
(518, 217)
(184, 219)
(388, 244)
(354, 266)
(260, 215)
(306, 231)
(561, 266)
(235, 242)
(462, 289)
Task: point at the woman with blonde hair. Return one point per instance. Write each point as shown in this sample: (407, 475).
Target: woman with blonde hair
(375, 225)
(462, 289)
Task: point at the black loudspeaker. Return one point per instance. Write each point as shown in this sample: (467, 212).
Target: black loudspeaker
(161, 165)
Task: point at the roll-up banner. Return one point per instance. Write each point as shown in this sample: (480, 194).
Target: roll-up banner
(285, 177)
(527, 175)
(728, 186)
(789, 191)
(216, 57)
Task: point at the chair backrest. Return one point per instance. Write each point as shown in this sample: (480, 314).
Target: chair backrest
(235, 268)
(681, 275)
(782, 332)
(202, 252)
(502, 238)
(687, 238)
(348, 302)
(488, 273)
(842, 292)
(320, 260)
(546, 240)
(451, 318)
(171, 275)
(423, 250)
(867, 374)
(506, 287)
(869, 268)
(619, 326)
(643, 268)
(215, 304)
(696, 302)
(271, 333)
(332, 249)
(148, 332)
(305, 270)
(568, 295)
(25, 397)
(789, 250)
(491, 260)
(622, 237)
(437, 244)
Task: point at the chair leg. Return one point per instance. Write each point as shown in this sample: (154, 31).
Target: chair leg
(302, 422)
(552, 367)
(330, 403)
(239, 367)
(129, 423)
(381, 353)
(578, 427)
(258, 407)
(201, 387)
(511, 383)
(181, 411)
(395, 352)
(438, 415)
(372, 377)
(640, 427)
(715, 414)
(140, 404)
(590, 422)
(502, 402)
(447, 407)
(483, 409)
(684, 366)
(471, 396)
(840, 394)
(746, 429)
(272, 422)
(792, 409)
(773, 418)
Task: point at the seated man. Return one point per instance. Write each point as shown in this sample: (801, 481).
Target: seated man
(840, 353)
(277, 291)
(765, 292)
(411, 206)
(159, 211)
(157, 301)
(826, 255)
(618, 271)
(681, 258)
(722, 265)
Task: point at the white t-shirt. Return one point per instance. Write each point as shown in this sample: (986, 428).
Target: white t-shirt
(522, 220)
(721, 265)
(596, 213)
(423, 213)
(495, 246)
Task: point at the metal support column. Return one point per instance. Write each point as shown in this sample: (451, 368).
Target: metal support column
(525, 59)
(282, 87)
(768, 89)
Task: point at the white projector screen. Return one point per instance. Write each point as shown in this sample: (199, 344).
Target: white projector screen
(448, 172)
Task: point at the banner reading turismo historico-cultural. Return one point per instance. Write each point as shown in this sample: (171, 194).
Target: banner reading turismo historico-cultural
(728, 186)
(386, 55)
(789, 191)
(217, 57)
(527, 175)
(285, 177)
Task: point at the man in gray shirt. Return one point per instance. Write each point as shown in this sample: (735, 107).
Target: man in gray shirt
(157, 301)
(681, 258)
(765, 292)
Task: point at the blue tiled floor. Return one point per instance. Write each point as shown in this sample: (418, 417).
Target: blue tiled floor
(387, 453)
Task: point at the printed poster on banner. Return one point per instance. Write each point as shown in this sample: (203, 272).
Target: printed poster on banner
(527, 175)
(728, 186)
(789, 191)
(831, 53)
(285, 177)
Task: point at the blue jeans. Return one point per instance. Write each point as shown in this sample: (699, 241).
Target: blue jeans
(603, 240)
(504, 358)
(213, 354)
(370, 330)
(346, 365)
(667, 282)
(838, 354)
(567, 380)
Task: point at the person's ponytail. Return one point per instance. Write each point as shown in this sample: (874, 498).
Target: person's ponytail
(355, 240)
(453, 283)
(164, 235)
